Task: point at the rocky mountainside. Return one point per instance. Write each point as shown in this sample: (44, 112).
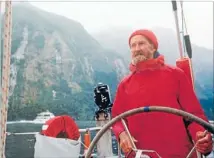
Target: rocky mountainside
(55, 63)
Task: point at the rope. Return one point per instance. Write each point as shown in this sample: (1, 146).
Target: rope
(184, 26)
(5, 74)
(191, 152)
(182, 22)
(174, 5)
(183, 17)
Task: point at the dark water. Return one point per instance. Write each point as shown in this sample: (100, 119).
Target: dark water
(22, 146)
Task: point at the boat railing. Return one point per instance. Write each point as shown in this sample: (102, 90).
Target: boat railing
(32, 133)
(91, 129)
(82, 131)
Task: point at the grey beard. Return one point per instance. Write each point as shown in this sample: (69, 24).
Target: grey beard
(138, 59)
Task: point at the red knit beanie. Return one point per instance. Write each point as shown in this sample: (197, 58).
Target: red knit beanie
(148, 34)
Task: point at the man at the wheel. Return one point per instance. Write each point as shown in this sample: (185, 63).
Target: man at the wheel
(152, 82)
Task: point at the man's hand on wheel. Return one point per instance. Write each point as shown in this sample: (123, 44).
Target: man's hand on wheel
(204, 142)
(125, 142)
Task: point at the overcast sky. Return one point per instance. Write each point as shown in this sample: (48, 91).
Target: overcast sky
(95, 16)
(98, 15)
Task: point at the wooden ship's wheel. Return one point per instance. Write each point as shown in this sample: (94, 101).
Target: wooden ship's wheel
(184, 114)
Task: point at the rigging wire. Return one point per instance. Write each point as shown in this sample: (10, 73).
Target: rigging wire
(182, 23)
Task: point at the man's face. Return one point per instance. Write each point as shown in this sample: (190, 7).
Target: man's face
(141, 48)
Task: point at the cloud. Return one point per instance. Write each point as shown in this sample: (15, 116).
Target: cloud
(96, 15)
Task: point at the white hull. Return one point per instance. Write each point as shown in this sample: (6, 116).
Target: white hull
(43, 117)
(39, 121)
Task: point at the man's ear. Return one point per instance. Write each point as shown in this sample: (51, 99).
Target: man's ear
(153, 49)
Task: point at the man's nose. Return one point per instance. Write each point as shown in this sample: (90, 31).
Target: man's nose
(137, 48)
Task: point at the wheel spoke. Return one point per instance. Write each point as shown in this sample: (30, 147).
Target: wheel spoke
(130, 137)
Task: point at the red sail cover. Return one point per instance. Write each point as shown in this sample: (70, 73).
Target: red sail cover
(60, 124)
(185, 65)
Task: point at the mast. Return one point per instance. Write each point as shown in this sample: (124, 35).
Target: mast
(7, 32)
(1, 152)
(174, 6)
(184, 62)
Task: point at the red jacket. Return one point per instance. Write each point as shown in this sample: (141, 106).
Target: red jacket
(155, 83)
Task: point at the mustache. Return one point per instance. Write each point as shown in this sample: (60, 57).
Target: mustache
(138, 53)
